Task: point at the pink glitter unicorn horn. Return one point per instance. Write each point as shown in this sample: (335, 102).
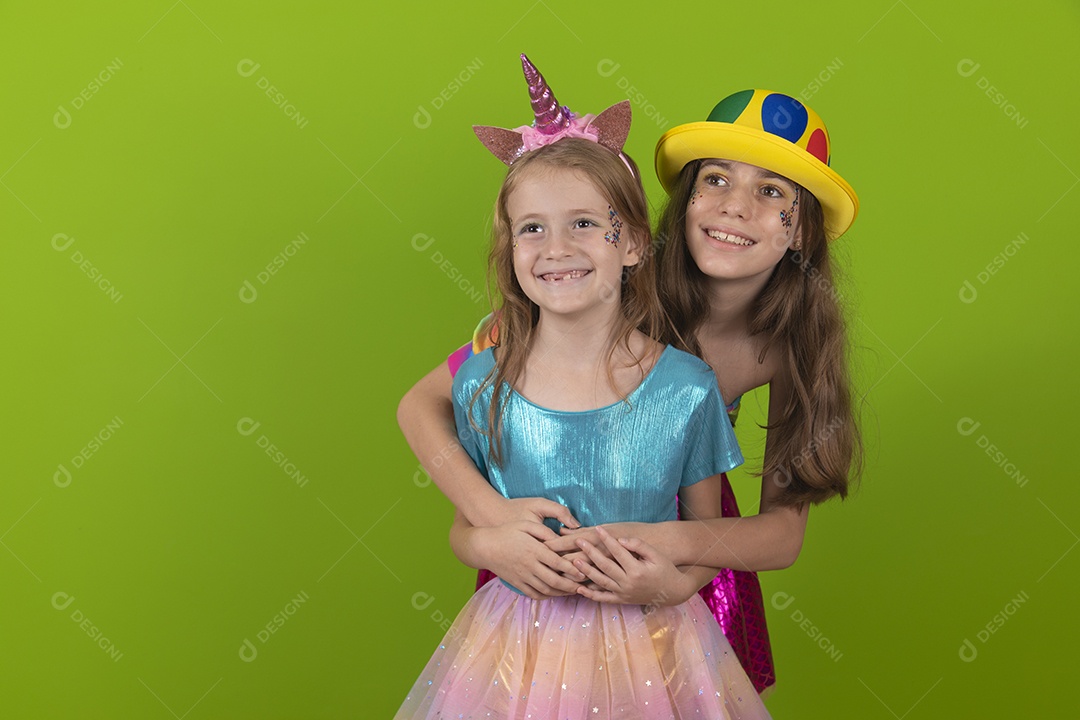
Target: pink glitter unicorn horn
(553, 122)
(550, 116)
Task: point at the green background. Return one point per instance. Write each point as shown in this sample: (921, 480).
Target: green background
(149, 181)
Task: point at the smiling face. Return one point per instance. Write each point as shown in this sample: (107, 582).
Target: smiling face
(740, 221)
(570, 246)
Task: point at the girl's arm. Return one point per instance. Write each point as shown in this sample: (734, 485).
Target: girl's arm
(632, 571)
(516, 553)
(426, 417)
(769, 540)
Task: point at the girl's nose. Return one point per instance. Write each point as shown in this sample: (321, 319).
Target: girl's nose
(735, 202)
(559, 243)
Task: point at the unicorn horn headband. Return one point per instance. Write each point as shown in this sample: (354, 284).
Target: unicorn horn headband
(553, 122)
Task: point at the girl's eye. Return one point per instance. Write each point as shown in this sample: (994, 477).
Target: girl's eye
(583, 224)
(530, 228)
(714, 180)
(772, 191)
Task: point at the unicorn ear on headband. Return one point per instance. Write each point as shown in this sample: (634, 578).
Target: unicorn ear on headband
(554, 122)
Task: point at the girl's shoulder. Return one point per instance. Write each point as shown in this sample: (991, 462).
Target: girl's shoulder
(678, 367)
(688, 361)
(472, 371)
(745, 365)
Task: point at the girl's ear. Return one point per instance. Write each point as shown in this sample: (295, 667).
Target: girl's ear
(800, 229)
(634, 250)
(797, 236)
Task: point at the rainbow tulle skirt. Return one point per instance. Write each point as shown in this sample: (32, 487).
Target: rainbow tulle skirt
(508, 656)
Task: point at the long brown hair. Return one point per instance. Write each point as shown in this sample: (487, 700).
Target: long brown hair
(815, 447)
(518, 315)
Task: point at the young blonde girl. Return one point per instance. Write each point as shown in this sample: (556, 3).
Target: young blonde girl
(579, 406)
(766, 315)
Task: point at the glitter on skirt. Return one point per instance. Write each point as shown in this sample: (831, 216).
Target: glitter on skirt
(734, 597)
(511, 657)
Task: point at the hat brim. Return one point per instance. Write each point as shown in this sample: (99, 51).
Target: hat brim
(708, 139)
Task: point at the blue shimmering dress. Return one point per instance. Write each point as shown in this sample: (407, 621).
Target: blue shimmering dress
(509, 656)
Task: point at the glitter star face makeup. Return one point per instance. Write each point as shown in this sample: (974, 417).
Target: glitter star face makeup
(788, 217)
(616, 227)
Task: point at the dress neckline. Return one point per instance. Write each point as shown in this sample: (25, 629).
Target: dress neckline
(629, 396)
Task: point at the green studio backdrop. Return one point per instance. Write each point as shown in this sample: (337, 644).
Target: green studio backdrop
(235, 234)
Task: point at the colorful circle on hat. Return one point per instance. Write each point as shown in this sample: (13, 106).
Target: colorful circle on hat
(818, 145)
(731, 107)
(784, 116)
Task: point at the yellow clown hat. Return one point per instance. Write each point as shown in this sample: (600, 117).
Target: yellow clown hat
(773, 131)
